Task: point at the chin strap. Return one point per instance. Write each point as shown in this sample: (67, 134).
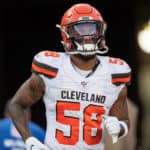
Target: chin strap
(85, 53)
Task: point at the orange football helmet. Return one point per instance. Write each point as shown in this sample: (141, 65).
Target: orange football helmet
(83, 30)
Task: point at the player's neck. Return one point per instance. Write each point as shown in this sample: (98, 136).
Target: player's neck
(84, 64)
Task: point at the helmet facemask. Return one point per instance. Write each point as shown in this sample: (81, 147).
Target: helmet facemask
(85, 37)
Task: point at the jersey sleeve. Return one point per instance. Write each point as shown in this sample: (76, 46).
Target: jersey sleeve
(45, 63)
(120, 71)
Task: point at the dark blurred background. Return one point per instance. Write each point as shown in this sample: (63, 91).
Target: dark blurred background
(26, 27)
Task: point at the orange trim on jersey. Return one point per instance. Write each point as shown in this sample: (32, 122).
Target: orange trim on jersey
(123, 80)
(44, 71)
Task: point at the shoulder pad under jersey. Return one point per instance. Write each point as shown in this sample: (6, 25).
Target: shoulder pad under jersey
(120, 71)
(46, 63)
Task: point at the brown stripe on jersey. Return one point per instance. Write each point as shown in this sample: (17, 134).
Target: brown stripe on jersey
(44, 69)
(117, 79)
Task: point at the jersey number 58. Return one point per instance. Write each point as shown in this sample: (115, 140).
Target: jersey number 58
(91, 127)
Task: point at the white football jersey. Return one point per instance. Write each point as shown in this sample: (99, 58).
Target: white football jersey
(75, 104)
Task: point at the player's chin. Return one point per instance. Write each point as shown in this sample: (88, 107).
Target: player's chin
(85, 57)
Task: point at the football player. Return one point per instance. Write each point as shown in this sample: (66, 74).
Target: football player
(84, 92)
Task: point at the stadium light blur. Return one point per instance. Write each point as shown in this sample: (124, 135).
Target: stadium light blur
(144, 38)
